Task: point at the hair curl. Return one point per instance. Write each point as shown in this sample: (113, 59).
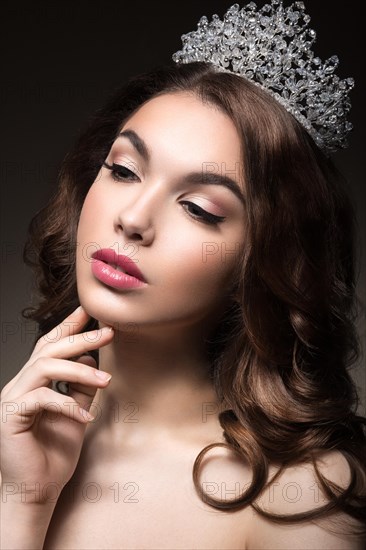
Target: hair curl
(281, 353)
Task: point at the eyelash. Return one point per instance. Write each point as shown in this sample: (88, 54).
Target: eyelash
(117, 170)
(203, 216)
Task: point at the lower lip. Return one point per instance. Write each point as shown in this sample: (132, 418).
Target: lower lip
(111, 277)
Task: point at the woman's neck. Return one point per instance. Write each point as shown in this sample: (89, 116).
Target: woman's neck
(160, 386)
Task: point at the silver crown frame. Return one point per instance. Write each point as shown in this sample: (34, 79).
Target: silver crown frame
(272, 48)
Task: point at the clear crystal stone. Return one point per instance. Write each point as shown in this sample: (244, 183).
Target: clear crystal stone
(272, 47)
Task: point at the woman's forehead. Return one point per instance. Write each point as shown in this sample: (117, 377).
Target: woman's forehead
(182, 127)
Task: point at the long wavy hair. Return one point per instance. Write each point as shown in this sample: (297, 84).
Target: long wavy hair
(282, 351)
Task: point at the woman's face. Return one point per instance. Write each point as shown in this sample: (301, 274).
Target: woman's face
(183, 232)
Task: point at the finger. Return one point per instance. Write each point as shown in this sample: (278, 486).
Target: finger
(75, 321)
(77, 344)
(84, 398)
(46, 369)
(82, 388)
(71, 325)
(68, 347)
(80, 391)
(21, 413)
(83, 395)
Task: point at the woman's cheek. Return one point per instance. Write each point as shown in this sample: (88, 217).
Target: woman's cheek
(205, 264)
(95, 211)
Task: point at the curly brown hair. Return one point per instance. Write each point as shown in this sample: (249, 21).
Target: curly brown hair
(282, 351)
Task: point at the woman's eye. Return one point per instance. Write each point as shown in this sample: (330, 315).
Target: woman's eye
(120, 172)
(198, 213)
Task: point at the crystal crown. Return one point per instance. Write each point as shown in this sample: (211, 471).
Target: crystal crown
(272, 48)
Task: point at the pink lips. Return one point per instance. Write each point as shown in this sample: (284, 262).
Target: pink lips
(103, 269)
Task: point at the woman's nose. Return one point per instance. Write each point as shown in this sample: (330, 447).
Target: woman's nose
(136, 218)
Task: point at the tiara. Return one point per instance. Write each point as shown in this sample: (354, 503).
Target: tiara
(272, 48)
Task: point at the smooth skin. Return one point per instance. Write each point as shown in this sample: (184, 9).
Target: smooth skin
(43, 430)
(131, 486)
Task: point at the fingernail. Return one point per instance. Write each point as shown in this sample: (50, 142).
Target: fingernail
(86, 414)
(106, 330)
(102, 375)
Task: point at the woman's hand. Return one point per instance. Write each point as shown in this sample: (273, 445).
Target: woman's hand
(43, 430)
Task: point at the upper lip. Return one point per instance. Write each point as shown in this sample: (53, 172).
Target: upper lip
(110, 256)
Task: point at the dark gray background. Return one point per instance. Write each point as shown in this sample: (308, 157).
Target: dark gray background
(62, 60)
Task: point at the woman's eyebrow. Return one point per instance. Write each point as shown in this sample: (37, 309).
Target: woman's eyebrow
(138, 143)
(196, 178)
(213, 178)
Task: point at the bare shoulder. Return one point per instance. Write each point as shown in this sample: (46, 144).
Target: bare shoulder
(297, 490)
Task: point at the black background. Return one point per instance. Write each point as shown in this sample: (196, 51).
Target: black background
(62, 60)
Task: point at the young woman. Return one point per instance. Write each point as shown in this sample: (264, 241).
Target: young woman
(209, 242)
